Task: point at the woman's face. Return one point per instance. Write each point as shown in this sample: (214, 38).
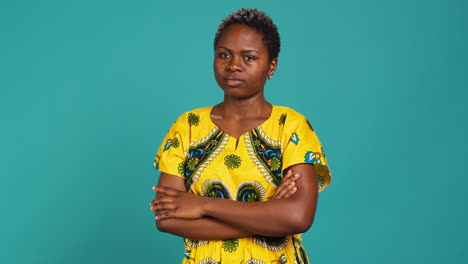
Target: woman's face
(241, 63)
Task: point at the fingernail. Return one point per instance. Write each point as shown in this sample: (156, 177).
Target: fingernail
(295, 189)
(157, 218)
(292, 183)
(296, 175)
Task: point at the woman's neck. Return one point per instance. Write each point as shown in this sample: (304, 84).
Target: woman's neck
(244, 108)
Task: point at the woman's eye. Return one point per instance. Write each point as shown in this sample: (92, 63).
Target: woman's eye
(224, 55)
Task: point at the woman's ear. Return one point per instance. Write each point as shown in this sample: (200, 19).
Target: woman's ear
(273, 64)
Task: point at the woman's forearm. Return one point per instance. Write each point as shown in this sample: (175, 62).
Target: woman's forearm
(205, 228)
(277, 217)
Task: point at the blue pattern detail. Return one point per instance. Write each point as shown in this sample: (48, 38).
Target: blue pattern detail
(295, 138)
(215, 189)
(283, 259)
(187, 254)
(250, 192)
(199, 154)
(312, 157)
(168, 144)
(269, 155)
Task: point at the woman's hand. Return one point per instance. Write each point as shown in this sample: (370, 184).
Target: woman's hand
(287, 186)
(285, 190)
(172, 203)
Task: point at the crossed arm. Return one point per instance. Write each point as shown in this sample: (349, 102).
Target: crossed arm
(184, 214)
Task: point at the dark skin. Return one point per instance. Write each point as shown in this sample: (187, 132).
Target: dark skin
(241, 66)
(202, 228)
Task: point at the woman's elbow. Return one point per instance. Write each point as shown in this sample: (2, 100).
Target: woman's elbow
(301, 222)
(162, 225)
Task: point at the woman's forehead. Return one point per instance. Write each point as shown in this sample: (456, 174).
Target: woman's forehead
(240, 36)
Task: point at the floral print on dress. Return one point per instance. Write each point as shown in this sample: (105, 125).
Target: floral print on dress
(230, 245)
(172, 142)
(272, 243)
(255, 261)
(215, 189)
(282, 119)
(266, 154)
(250, 192)
(232, 161)
(201, 154)
(193, 119)
(208, 261)
(198, 151)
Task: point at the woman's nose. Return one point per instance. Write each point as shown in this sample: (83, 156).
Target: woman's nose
(234, 64)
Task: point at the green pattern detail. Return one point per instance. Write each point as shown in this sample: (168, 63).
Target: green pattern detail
(181, 168)
(321, 181)
(257, 142)
(275, 163)
(193, 119)
(300, 253)
(175, 143)
(310, 126)
(232, 161)
(230, 245)
(282, 119)
(156, 163)
(192, 163)
(252, 197)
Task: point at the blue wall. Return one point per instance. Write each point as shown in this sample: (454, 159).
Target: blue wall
(89, 88)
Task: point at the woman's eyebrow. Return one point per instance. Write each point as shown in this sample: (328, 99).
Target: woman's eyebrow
(242, 51)
(221, 47)
(250, 50)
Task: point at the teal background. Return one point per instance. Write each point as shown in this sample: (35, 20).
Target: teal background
(89, 88)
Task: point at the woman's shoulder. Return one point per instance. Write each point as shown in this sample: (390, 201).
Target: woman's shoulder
(289, 114)
(195, 116)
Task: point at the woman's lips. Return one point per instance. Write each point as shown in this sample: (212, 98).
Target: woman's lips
(234, 82)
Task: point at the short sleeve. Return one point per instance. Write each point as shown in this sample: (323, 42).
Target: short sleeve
(303, 146)
(170, 157)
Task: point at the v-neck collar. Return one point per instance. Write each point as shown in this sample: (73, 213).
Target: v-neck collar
(273, 109)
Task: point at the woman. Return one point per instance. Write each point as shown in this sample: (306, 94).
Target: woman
(239, 180)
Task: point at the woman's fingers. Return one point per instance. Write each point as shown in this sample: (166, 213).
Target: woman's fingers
(151, 204)
(165, 194)
(159, 200)
(287, 186)
(164, 214)
(164, 206)
(290, 192)
(285, 189)
(165, 190)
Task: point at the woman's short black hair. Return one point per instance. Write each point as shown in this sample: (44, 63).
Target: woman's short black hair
(258, 20)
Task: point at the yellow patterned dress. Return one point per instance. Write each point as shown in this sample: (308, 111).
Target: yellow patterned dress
(247, 169)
